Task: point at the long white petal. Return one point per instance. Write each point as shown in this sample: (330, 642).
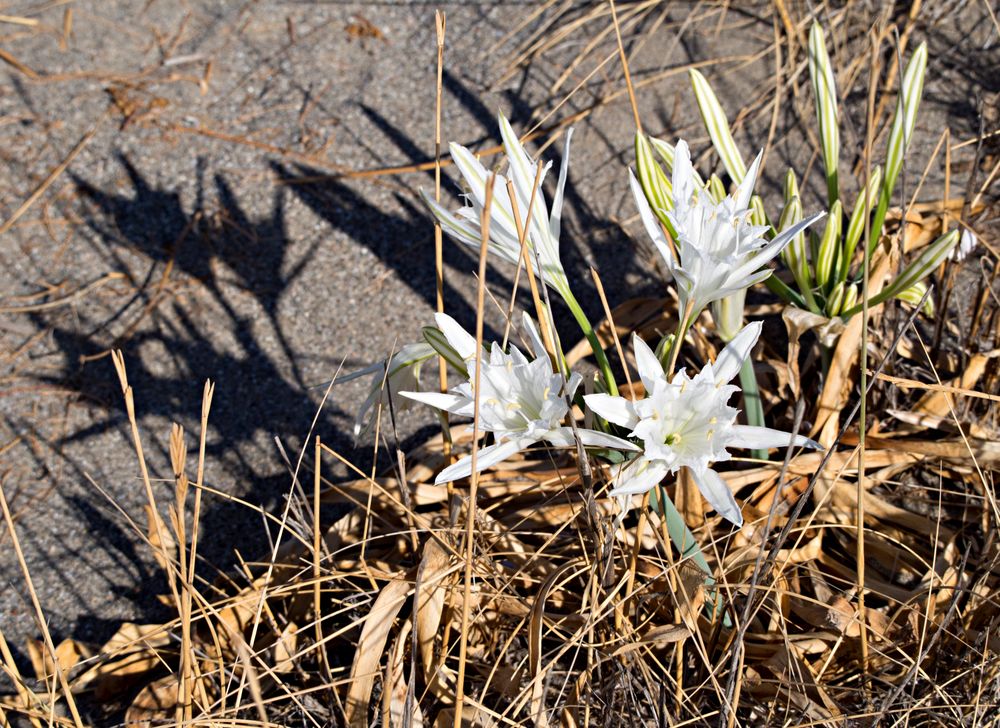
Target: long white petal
(751, 436)
(365, 417)
(650, 368)
(531, 331)
(485, 458)
(473, 171)
(745, 190)
(461, 229)
(563, 437)
(649, 221)
(460, 339)
(717, 493)
(613, 409)
(456, 404)
(730, 359)
(638, 476)
(555, 216)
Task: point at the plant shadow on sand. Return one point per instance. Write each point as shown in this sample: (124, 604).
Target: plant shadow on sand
(240, 265)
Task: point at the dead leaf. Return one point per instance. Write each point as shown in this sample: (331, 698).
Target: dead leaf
(371, 647)
(154, 703)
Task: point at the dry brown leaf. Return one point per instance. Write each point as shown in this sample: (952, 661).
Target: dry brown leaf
(798, 322)
(371, 647)
(535, 626)
(154, 703)
(838, 380)
(68, 653)
(285, 648)
(131, 653)
(435, 569)
(394, 696)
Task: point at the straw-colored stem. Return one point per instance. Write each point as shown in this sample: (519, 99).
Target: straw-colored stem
(42, 624)
(470, 527)
(439, 24)
(522, 235)
(862, 424)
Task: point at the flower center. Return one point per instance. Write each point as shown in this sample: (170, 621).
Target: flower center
(672, 439)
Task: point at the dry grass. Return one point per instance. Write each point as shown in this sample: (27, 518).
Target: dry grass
(524, 606)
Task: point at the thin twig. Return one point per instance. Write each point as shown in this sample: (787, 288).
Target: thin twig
(474, 479)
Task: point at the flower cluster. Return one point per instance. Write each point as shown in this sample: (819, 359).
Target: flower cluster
(520, 401)
(686, 422)
(716, 250)
(719, 251)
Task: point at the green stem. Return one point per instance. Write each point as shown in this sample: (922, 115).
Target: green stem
(588, 330)
(781, 289)
(879, 219)
(751, 401)
(684, 540)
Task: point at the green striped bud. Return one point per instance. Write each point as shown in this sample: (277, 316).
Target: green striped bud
(717, 126)
(791, 186)
(716, 190)
(757, 214)
(828, 245)
(850, 297)
(836, 300)
(856, 226)
(654, 181)
(825, 93)
(914, 294)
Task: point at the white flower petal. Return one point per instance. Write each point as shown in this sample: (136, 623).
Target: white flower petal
(454, 403)
(365, 417)
(461, 229)
(650, 222)
(716, 492)
(460, 339)
(745, 189)
(730, 359)
(472, 170)
(555, 217)
(639, 476)
(563, 437)
(617, 410)
(485, 458)
(650, 368)
(750, 436)
(531, 331)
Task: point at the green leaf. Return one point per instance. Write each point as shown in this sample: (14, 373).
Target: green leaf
(929, 259)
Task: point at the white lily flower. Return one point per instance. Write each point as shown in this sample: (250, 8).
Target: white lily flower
(720, 252)
(521, 402)
(401, 371)
(543, 235)
(966, 244)
(687, 423)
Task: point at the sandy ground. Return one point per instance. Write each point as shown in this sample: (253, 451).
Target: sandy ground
(202, 229)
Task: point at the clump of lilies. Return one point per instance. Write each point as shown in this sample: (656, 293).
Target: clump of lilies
(715, 245)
